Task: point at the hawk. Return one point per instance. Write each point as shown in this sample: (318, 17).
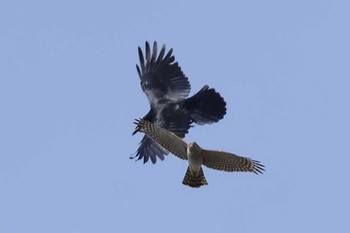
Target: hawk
(167, 89)
(197, 156)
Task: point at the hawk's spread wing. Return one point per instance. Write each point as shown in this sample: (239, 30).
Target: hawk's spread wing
(225, 161)
(163, 137)
(178, 122)
(161, 78)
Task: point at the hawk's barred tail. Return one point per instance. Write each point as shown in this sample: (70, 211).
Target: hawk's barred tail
(193, 180)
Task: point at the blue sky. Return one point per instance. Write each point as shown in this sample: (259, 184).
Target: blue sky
(69, 93)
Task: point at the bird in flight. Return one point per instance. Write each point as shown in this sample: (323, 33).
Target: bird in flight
(167, 89)
(196, 155)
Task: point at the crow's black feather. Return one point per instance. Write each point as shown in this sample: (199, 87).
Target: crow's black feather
(167, 89)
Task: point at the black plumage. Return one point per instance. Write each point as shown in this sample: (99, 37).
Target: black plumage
(167, 89)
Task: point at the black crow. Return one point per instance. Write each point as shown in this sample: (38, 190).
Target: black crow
(167, 88)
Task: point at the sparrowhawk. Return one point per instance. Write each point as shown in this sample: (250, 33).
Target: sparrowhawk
(197, 156)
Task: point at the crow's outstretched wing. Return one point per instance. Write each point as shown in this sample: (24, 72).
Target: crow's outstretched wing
(149, 149)
(161, 77)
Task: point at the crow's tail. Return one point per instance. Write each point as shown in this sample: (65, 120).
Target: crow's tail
(206, 106)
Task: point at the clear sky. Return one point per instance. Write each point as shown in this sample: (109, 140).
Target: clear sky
(69, 92)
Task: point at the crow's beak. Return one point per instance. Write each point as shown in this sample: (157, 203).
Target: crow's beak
(136, 122)
(135, 131)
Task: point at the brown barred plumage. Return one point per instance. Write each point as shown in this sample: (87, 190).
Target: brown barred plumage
(197, 156)
(165, 138)
(194, 180)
